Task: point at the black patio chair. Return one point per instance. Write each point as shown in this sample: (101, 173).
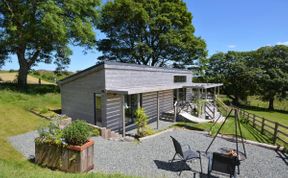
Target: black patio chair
(224, 164)
(185, 155)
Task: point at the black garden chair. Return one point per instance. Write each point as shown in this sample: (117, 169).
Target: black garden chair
(185, 155)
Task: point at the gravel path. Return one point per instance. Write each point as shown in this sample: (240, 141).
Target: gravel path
(150, 158)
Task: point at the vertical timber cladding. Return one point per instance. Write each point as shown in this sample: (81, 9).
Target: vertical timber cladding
(149, 103)
(113, 112)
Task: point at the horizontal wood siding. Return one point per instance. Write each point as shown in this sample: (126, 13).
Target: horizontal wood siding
(165, 100)
(149, 104)
(119, 78)
(113, 112)
(77, 96)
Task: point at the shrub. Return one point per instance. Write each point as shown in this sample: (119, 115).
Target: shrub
(77, 133)
(148, 131)
(1, 80)
(44, 111)
(141, 121)
(54, 135)
(94, 132)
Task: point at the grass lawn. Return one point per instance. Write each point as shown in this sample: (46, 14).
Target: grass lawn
(259, 108)
(14, 120)
(248, 131)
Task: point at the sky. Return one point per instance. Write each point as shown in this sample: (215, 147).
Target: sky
(239, 25)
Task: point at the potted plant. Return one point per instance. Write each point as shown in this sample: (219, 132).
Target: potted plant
(68, 149)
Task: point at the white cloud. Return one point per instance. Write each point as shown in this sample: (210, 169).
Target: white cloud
(231, 46)
(282, 43)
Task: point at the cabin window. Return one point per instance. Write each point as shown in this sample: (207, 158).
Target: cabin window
(98, 109)
(182, 94)
(180, 79)
(131, 104)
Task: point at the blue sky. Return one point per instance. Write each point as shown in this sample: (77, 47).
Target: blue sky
(224, 24)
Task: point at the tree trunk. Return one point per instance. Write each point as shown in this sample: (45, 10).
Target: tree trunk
(23, 70)
(271, 104)
(22, 76)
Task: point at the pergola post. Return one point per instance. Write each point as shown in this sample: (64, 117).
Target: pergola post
(214, 101)
(138, 100)
(218, 90)
(206, 93)
(215, 95)
(158, 110)
(123, 115)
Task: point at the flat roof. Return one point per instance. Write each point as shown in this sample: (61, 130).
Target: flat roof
(135, 90)
(122, 66)
(203, 85)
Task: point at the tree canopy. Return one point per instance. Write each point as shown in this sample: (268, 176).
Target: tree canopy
(263, 72)
(273, 81)
(40, 31)
(154, 32)
(233, 69)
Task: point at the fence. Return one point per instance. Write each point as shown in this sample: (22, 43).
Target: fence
(277, 132)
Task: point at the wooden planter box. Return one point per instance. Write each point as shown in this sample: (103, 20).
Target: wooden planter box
(68, 159)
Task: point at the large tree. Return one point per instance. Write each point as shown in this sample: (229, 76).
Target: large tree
(235, 71)
(154, 32)
(40, 31)
(273, 81)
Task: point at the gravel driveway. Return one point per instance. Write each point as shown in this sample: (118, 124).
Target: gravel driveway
(150, 157)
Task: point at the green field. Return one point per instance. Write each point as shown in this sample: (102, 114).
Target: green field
(258, 107)
(50, 76)
(16, 119)
(47, 77)
(11, 77)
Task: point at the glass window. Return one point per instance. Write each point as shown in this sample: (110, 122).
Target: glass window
(182, 94)
(131, 103)
(180, 78)
(98, 110)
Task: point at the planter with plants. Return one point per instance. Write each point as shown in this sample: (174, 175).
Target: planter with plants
(68, 149)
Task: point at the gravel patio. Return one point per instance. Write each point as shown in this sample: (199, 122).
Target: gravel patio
(150, 157)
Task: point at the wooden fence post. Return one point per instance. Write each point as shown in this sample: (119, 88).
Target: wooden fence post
(253, 120)
(275, 133)
(262, 126)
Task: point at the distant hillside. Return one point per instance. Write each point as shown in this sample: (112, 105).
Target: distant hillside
(47, 77)
(50, 76)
